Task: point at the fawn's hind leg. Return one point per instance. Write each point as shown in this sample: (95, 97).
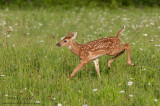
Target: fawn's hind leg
(111, 60)
(126, 46)
(120, 51)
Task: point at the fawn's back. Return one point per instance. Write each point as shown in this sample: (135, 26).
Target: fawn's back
(96, 48)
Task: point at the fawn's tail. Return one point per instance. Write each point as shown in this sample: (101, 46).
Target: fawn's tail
(120, 31)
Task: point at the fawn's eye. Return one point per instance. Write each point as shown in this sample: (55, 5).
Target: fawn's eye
(65, 41)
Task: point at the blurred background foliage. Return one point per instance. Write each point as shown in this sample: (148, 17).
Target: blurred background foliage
(79, 3)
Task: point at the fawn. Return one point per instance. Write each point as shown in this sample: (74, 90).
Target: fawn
(94, 49)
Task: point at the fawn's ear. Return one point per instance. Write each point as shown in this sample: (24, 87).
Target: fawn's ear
(70, 34)
(75, 35)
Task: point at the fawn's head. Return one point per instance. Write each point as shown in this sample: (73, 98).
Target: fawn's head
(66, 41)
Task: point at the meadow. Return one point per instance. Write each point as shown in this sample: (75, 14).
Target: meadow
(33, 70)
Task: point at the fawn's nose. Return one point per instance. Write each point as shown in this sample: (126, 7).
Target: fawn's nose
(58, 44)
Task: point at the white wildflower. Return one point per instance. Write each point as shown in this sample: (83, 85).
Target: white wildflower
(119, 84)
(40, 24)
(62, 38)
(141, 49)
(2, 75)
(130, 95)
(84, 105)
(122, 92)
(133, 43)
(151, 23)
(8, 36)
(130, 83)
(144, 69)
(156, 36)
(145, 34)
(28, 34)
(124, 19)
(41, 41)
(133, 26)
(147, 25)
(100, 28)
(156, 45)
(112, 19)
(95, 32)
(6, 95)
(91, 27)
(59, 104)
(4, 23)
(94, 89)
(11, 28)
(156, 100)
(6, 9)
(4, 33)
(149, 83)
(37, 101)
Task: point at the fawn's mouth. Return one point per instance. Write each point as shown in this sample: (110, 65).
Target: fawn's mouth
(58, 44)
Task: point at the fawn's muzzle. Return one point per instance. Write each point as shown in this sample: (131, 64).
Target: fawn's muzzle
(58, 44)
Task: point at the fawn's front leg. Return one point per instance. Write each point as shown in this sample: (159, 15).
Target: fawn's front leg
(96, 62)
(79, 67)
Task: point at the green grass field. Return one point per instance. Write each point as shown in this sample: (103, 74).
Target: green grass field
(34, 70)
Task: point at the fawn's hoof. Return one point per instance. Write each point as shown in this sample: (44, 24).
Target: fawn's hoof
(109, 68)
(132, 64)
(67, 79)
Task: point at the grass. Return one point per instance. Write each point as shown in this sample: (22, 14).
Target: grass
(33, 69)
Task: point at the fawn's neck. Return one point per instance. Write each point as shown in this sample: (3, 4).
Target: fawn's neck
(75, 47)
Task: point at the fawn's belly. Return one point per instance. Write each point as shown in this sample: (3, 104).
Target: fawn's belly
(96, 54)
